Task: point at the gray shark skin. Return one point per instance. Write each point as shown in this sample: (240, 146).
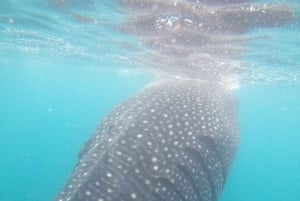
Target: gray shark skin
(174, 141)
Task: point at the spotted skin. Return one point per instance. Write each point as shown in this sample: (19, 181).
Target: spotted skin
(174, 140)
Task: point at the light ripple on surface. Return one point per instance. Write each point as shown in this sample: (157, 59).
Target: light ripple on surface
(98, 31)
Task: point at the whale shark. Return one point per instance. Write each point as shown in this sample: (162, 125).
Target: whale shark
(176, 139)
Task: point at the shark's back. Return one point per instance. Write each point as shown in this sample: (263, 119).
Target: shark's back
(174, 140)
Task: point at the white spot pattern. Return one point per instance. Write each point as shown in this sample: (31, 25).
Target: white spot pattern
(176, 146)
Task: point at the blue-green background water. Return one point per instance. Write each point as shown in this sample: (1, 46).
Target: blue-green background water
(58, 78)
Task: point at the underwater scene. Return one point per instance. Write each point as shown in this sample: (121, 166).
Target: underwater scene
(190, 100)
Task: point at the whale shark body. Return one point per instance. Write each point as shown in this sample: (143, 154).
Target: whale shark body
(174, 140)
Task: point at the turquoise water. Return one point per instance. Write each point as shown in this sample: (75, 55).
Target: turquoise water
(59, 76)
(267, 164)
